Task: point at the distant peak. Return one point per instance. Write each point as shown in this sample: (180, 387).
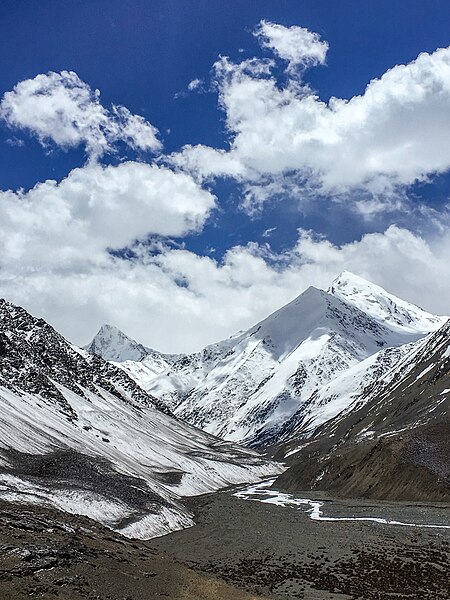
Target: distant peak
(308, 296)
(107, 328)
(112, 344)
(312, 291)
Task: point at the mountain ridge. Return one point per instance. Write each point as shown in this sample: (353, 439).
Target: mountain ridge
(247, 387)
(79, 434)
(395, 445)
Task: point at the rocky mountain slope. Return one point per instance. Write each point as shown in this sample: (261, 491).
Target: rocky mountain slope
(394, 443)
(292, 370)
(77, 433)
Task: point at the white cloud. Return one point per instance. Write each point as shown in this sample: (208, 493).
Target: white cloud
(15, 142)
(202, 162)
(60, 108)
(216, 299)
(297, 45)
(55, 239)
(64, 225)
(392, 135)
(134, 130)
(194, 84)
(268, 232)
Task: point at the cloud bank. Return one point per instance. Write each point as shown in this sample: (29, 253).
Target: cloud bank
(177, 301)
(65, 225)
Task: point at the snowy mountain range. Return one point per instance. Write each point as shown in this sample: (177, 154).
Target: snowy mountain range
(122, 433)
(77, 433)
(113, 345)
(299, 367)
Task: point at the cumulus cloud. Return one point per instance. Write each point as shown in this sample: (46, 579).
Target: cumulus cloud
(390, 136)
(77, 252)
(63, 225)
(61, 108)
(176, 300)
(204, 162)
(296, 45)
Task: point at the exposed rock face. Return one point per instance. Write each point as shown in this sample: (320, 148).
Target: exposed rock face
(35, 358)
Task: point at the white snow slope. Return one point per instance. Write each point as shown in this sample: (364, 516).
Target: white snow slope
(304, 359)
(77, 433)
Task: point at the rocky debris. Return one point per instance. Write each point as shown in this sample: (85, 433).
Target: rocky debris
(400, 467)
(280, 552)
(48, 554)
(70, 470)
(415, 573)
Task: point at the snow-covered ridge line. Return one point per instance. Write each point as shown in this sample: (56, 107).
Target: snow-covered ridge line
(302, 365)
(383, 306)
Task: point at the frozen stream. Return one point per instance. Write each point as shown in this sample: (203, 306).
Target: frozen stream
(263, 492)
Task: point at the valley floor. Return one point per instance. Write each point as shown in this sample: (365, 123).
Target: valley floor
(46, 554)
(240, 549)
(279, 552)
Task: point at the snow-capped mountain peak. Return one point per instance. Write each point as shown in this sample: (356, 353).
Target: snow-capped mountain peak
(383, 306)
(287, 327)
(247, 386)
(143, 364)
(289, 365)
(112, 344)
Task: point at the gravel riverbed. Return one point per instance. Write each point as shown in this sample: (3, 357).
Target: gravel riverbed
(261, 545)
(280, 552)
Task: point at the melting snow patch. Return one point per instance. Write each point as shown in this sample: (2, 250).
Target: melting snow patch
(158, 524)
(262, 492)
(89, 504)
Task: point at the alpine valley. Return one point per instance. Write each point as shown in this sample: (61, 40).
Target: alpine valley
(79, 434)
(336, 403)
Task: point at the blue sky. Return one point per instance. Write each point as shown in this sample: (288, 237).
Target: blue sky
(143, 55)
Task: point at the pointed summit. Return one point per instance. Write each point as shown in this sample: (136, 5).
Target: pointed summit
(383, 306)
(347, 277)
(112, 344)
(288, 326)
